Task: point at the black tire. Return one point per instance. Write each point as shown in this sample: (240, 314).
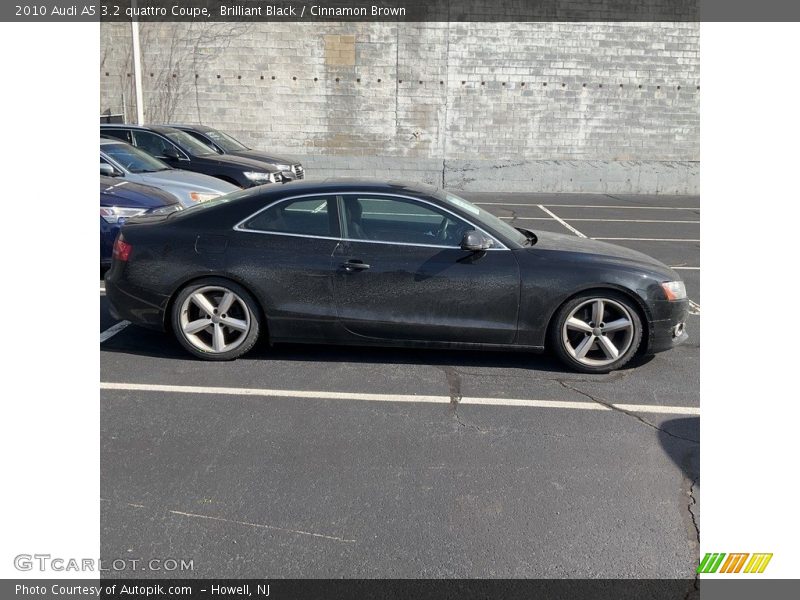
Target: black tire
(247, 311)
(565, 341)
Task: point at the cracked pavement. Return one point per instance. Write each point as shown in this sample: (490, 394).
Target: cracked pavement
(307, 487)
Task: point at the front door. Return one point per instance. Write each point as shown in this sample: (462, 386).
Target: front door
(401, 274)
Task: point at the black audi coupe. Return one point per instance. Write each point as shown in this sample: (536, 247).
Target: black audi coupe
(383, 263)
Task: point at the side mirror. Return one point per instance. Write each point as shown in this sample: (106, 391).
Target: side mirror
(171, 153)
(475, 241)
(107, 170)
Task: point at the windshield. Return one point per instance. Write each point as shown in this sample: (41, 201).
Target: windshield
(190, 143)
(132, 159)
(483, 217)
(224, 141)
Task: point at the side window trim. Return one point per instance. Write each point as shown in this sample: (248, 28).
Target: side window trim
(339, 199)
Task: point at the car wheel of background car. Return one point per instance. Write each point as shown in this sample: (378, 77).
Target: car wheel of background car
(596, 332)
(215, 319)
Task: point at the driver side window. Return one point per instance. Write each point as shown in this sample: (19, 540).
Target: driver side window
(400, 220)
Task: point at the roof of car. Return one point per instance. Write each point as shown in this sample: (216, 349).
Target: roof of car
(357, 184)
(201, 128)
(157, 128)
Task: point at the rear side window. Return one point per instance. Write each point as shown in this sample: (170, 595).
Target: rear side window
(120, 134)
(302, 216)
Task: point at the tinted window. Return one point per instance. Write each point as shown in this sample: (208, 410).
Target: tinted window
(401, 220)
(190, 143)
(485, 218)
(120, 134)
(224, 141)
(304, 216)
(151, 143)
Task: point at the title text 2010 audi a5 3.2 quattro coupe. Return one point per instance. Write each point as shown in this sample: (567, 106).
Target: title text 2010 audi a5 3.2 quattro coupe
(375, 263)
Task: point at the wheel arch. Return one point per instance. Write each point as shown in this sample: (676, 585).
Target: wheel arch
(226, 276)
(637, 301)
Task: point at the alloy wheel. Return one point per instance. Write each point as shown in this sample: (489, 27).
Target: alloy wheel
(598, 332)
(214, 319)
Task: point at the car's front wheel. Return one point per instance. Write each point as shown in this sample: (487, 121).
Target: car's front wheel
(215, 319)
(596, 332)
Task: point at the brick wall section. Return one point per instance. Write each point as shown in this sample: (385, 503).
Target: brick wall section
(601, 107)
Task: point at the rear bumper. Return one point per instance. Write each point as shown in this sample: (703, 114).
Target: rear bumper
(129, 303)
(669, 331)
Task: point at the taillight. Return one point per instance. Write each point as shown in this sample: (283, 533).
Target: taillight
(122, 249)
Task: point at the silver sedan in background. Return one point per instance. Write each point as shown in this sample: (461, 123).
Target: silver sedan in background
(120, 159)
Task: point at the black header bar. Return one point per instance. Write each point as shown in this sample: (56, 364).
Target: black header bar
(400, 10)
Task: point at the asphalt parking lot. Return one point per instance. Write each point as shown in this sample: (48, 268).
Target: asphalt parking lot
(345, 462)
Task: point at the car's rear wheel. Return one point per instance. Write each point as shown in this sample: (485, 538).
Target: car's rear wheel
(596, 332)
(215, 319)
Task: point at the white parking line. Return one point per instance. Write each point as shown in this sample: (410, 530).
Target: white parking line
(588, 206)
(686, 268)
(627, 239)
(654, 408)
(635, 221)
(562, 221)
(603, 220)
(113, 330)
(321, 395)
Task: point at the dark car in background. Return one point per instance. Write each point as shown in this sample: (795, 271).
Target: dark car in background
(183, 151)
(375, 263)
(224, 143)
(121, 200)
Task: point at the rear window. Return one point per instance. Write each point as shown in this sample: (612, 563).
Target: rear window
(301, 216)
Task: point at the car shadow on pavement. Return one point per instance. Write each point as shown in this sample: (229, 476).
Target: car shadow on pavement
(680, 439)
(143, 342)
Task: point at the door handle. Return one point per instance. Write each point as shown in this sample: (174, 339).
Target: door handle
(355, 265)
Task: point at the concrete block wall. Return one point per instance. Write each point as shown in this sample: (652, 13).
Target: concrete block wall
(595, 107)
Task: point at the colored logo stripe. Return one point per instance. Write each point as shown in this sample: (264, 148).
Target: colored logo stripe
(710, 562)
(733, 564)
(758, 563)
